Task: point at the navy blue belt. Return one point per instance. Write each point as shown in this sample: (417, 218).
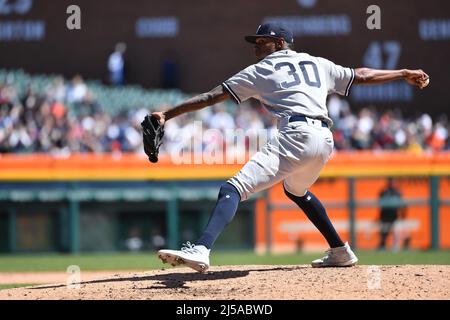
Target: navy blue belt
(303, 118)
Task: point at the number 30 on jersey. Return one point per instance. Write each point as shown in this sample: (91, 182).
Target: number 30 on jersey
(307, 68)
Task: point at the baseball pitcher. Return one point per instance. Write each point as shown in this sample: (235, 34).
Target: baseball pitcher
(293, 87)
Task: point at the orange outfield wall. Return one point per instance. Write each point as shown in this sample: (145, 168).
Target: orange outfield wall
(136, 167)
(290, 228)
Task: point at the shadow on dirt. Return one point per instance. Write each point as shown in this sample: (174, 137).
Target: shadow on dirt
(176, 279)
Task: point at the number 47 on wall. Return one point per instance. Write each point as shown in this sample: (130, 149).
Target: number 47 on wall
(382, 55)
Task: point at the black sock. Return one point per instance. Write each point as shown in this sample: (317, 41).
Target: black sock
(315, 211)
(223, 213)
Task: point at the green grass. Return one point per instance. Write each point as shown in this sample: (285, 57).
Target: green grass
(16, 285)
(126, 261)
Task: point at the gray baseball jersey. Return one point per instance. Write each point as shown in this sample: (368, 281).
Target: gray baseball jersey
(288, 83)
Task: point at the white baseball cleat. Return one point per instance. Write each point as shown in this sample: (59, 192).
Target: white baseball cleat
(337, 257)
(195, 257)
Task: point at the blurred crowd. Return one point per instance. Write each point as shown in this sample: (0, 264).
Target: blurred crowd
(369, 129)
(65, 118)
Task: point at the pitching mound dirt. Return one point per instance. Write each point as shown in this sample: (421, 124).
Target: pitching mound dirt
(256, 282)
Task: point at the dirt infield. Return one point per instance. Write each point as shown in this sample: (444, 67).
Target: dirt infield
(55, 277)
(253, 282)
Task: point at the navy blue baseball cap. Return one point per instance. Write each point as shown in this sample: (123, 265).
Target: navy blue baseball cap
(271, 30)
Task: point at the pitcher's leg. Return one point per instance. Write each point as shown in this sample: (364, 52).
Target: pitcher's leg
(262, 171)
(223, 213)
(296, 188)
(340, 254)
(316, 213)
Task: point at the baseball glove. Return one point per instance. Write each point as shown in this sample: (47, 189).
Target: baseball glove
(153, 133)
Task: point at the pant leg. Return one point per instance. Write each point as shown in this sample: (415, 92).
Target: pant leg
(281, 156)
(305, 174)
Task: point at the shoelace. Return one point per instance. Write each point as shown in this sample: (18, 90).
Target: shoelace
(188, 247)
(331, 253)
(328, 254)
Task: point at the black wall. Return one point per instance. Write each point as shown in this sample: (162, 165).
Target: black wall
(208, 46)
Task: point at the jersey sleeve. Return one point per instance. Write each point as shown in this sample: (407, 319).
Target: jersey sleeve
(242, 85)
(339, 78)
